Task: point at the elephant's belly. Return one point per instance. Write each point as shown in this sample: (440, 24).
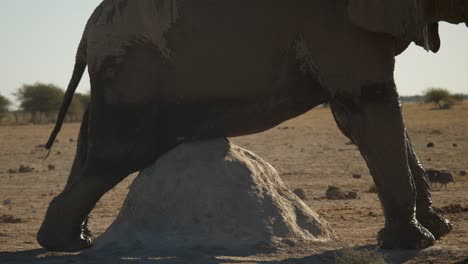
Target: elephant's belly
(231, 116)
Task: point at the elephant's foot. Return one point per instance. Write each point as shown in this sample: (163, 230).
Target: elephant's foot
(57, 235)
(436, 224)
(409, 236)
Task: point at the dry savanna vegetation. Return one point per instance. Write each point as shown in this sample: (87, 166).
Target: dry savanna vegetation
(310, 154)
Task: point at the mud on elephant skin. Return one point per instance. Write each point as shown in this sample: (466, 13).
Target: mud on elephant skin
(168, 71)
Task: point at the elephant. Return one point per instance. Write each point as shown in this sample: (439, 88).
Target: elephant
(164, 72)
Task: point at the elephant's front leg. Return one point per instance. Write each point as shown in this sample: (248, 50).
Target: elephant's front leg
(425, 214)
(372, 118)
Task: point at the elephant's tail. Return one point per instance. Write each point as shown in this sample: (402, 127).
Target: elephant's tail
(78, 70)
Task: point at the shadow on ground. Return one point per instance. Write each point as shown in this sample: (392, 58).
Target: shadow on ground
(41, 256)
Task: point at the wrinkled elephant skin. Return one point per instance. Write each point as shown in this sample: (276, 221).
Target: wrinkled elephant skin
(167, 71)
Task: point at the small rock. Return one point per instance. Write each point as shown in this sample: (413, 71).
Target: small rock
(51, 167)
(40, 146)
(454, 145)
(25, 169)
(57, 141)
(356, 176)
(12, 171)
(7, 202)
(71, 140)
(429, 159)
(463, 173)
(58, 152)
(335, 193)
(9, 219)
(300, 193)
(430, 145)
(436, 132)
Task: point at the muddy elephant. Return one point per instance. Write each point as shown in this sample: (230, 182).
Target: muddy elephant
(167, 71)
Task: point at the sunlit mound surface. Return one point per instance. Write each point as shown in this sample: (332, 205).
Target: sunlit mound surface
(211, 195)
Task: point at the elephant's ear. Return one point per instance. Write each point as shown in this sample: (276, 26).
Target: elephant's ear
(404, 19)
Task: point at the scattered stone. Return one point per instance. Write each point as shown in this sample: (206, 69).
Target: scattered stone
(71, 140)
(357, 176)
(335, 193)
(372, 214)
(58, 152)
(429, 159)
(51, 167)
(7, 202)
(430, 145)
(300, 193)
(451, 209)
(57, 141)
(12, 171)
(372, 189)
(25, 169)
(463, 173)
(454, 145)
(9, 219)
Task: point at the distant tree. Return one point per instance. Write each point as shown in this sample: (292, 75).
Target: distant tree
(78, 106)
(441, 97)
(4, 104)
(84, 99)
(40, 98)
(458, 97)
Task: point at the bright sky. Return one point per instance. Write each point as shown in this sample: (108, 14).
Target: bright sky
(39, 39)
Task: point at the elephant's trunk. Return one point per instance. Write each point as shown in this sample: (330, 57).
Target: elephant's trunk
(451, 11)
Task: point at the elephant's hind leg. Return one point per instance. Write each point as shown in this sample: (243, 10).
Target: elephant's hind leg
(372, 118)
(425, 214)
(64, 227)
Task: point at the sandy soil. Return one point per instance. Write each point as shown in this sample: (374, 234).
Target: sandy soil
(309, 152)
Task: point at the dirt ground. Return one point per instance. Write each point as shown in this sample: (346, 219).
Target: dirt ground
(309, 152)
